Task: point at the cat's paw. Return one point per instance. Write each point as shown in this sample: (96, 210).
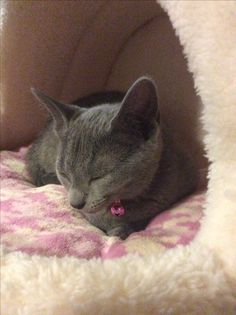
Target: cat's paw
(121, 231)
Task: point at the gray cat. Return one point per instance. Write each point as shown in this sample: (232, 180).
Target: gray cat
(113, 149)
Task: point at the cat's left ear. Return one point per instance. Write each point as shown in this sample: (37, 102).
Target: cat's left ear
(139, 110)
(60, 112)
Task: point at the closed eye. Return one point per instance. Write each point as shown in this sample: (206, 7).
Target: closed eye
(93, 179)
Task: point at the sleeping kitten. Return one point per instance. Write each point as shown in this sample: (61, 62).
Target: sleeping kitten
(112, 147)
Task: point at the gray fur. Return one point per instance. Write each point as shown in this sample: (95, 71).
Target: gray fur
(110, 152)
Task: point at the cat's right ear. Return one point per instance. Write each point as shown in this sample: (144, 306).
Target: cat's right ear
(60, 112)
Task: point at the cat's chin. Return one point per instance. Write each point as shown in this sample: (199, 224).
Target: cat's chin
(120, 231)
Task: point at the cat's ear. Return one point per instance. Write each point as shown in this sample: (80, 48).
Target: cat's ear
(60, 112)
(139, 110)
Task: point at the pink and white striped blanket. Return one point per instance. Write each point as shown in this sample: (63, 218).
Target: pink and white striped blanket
(40, 220)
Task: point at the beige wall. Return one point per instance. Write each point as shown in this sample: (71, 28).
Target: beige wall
(71, 48)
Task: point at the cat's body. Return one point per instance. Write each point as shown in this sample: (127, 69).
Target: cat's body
(113, 151)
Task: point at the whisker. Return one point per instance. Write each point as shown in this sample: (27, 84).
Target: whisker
(98, 203)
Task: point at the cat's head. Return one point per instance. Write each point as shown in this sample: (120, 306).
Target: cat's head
(110, 151)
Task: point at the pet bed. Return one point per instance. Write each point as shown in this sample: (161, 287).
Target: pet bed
(184, 262)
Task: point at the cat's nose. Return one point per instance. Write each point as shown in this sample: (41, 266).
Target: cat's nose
(78, 205)
(77, 198)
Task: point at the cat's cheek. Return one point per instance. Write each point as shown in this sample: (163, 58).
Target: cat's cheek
(95, 196)
(66, 186)
(64, 182)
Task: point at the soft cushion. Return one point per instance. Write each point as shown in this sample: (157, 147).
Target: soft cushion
(39, 220)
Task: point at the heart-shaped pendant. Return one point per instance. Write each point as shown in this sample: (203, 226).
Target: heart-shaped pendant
(117, 209)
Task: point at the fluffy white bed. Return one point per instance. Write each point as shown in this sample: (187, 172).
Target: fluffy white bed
(198, 278)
